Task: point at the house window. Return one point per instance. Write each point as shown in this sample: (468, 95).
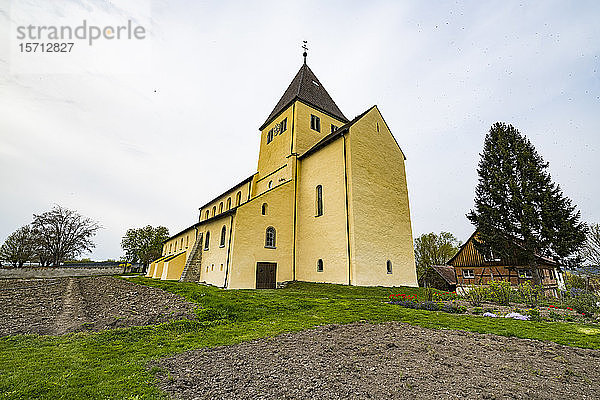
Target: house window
(223, 230)
(229, 203)
(264, 209)
(270, 238)
(283, 125)
(206, 214)
(468, 273)
(214, 210)
(315, 123)
(389, 266)
(525, 273)
(270, 136)
(334, 128)
(270, 184)
(319, 200)
(207, 241)
(319, 265)
(552, 274)
(238, 198)
(220, 207)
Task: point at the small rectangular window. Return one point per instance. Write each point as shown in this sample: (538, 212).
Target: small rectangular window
(270, 136)
(525, 273)
(315, 123)
(319, 201)
(334, 128)
(468, 273)
(283, 125)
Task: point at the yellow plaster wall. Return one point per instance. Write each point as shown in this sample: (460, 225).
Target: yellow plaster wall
(379, 210)
(278, 177)
(323, 237)
(215, 256)
(273, 155)
(151, 269)
(244, 190)
(158, 270)
(304, 137)
(249, 237)
(172, 270)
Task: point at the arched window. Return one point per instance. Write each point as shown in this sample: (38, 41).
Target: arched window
(270, 238)
(220, 207)
(206, 214)
(187, 241)
(319, 265)
(270, 184)
(264, 209)
(389, 266)
(229, 203)
(319, 200)
(214, 210)
(238, 198)
(207, 241)
(223, 230)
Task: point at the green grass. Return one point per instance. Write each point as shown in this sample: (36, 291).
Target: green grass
(114, 364)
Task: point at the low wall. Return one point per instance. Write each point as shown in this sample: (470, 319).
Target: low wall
(57, 272)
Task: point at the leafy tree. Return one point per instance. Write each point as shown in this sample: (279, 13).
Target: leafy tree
(19, 247)
(144, 244)
(63, 234)
(432, 249)
(519, 212)
(591, 249)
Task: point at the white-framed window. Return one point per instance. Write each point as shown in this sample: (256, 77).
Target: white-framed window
(525, 273)
(223, 232)
(319, 265)
(315, 123)
(270, 238)
(207, 241)
(468, 273)
(283, 126)
(319, 201)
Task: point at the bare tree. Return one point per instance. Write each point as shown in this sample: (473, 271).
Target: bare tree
(19, 247)
(591, 249)
(63, 234)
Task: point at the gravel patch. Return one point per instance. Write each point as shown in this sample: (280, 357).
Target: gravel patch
(64, 305)
(385, 361)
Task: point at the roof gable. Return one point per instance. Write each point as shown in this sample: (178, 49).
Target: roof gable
(306, 87)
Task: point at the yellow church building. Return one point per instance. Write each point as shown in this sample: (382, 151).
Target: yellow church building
(328, 203)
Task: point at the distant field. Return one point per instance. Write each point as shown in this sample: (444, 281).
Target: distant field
(115, 363)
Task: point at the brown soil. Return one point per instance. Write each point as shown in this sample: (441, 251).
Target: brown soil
(63, 305)
(386, 361)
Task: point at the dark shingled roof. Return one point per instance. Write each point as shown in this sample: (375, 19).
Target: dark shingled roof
(306, 87)
(446, 272)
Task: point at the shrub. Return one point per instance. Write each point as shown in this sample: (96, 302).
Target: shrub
(534, 313)
(500, 292)
(583, 302)
(476, 295)
(529, 294)
(478, 310)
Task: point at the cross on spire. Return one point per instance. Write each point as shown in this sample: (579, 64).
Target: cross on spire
(305, 50)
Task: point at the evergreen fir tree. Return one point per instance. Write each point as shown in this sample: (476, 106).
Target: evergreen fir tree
(519, 212)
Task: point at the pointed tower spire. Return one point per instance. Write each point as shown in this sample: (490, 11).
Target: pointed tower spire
(306, 87)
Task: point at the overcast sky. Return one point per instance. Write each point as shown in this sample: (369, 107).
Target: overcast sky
(148, 135)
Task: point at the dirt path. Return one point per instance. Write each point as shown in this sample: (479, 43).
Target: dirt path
(71, 317)
(386, 361)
